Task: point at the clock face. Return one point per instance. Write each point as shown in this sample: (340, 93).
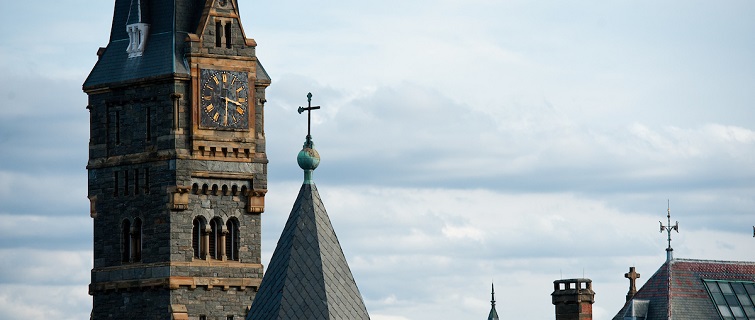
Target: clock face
(224, 97)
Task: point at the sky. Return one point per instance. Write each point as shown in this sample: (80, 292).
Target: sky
(463, 142)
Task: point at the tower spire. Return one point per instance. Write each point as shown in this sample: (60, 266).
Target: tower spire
(668, 227)
(493, 315)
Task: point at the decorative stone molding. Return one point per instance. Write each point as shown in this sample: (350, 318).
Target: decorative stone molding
(174, 283)
(179, 312)
(93, 207)
(179, 197)
(257, 201)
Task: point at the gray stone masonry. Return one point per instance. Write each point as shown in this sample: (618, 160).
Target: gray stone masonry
(150, 164)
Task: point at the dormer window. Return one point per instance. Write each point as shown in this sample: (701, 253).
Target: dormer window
(137, 38)
(137, 28)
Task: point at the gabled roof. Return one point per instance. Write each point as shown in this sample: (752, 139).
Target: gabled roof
(308, 277)
(677, 291)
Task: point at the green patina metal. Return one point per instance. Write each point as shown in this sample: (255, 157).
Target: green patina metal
(308, 157)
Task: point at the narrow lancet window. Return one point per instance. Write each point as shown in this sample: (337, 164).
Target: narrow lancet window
(136, 182)
(196, 238)
(232, 240)
(115, 183)
(228, 35)
(146, 180)
(216, 229)
(136, 236)
(125, 241)
(125, 182)
(117, 127)
(148, 122)
(218, 33)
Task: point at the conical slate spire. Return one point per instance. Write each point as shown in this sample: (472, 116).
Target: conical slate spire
(308, 277)
(493, 315)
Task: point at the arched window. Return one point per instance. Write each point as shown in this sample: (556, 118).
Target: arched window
(232, 240)
(196, 237)
(125, 241)
(216, 238)
(136, 245)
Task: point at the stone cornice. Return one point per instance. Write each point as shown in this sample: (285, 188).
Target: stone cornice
(174, 283)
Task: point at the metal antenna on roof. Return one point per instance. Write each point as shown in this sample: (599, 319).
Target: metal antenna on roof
(668, 227)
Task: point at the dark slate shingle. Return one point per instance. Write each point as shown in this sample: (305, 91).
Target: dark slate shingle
(308, 276)
(676, 291)
(169, 23)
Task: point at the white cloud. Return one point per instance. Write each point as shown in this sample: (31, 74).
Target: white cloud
(462, 141)
(24, 301)
(398, 246)
(45, 267)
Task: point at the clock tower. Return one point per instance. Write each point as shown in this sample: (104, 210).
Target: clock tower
(177, 165)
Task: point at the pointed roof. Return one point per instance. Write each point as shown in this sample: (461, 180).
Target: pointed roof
(164, 52)
(138, 12)
(678, 290)
(493, 315)
(308, 276)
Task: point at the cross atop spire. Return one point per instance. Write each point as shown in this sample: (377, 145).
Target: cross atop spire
(308, 157)
(668, 227)
(309, 109)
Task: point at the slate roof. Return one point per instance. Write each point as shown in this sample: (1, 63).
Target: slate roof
(308, 276)
(677, 291)
(163, 53)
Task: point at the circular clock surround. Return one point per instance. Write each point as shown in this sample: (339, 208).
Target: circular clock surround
(223, 99)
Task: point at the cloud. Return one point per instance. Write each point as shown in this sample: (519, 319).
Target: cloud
(23, 301)
(463, 142)
(52, 231)
(45, 267)
(415, 135)
(398, 245)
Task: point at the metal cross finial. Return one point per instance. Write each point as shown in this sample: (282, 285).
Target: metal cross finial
(309, 109)
(668, 227)
(632, 276)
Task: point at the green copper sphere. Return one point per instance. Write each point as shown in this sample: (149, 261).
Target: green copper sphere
(308, 158)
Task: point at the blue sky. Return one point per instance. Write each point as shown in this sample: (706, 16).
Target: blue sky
(461, 142)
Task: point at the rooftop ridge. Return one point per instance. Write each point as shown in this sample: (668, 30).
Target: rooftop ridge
(713, 261)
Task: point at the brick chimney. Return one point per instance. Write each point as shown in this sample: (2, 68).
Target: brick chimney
(573, 299)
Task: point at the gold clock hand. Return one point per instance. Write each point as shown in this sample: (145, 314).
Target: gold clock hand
(225, 119)
(232, 101)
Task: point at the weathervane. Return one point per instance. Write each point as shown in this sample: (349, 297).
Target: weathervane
(309, 109)
(668, 227)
